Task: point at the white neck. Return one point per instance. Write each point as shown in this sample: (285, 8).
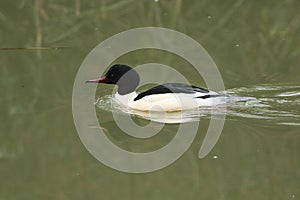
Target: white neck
(125, 99)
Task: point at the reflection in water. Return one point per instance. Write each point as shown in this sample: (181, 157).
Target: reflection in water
(107, 103)
(280, 104)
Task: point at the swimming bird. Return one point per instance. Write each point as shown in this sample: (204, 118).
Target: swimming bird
(168, 97)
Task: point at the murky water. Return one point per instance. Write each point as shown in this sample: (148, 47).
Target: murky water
(256, 48)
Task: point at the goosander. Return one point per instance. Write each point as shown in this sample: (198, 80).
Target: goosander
(168, 97)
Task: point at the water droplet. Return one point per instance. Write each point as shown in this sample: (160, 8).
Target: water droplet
(293, 195)
(237, 45)
(156, 0)
(209, 17)
(215, 157)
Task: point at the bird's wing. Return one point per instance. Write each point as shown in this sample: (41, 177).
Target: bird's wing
(174, 88)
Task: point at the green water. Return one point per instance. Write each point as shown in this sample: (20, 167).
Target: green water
(255, 45)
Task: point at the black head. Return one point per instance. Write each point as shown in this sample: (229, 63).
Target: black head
(124, 76)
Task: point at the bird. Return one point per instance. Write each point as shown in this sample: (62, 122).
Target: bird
(167, 97)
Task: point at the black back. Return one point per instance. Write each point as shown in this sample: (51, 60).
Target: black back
(171, 88)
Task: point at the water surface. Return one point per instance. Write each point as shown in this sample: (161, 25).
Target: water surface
(255, 45)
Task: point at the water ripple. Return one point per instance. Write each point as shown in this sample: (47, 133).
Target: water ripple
(277, 104)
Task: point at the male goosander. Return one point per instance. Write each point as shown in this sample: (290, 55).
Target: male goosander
(167, 97)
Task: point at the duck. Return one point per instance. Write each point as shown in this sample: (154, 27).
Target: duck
(167, 97)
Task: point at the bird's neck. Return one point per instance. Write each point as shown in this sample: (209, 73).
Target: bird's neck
(128, 82)
(125, 98)
(124, 89)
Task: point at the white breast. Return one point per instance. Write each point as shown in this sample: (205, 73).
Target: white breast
(171, 102)
(167, 102)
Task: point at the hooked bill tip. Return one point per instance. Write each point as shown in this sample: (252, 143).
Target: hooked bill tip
(100, 80)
